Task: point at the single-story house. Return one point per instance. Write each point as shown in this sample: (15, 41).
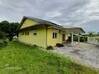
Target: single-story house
(43, 33)
(40, 32)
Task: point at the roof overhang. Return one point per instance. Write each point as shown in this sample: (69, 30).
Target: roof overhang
(74, 30)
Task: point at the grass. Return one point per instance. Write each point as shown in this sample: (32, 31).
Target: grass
(17, 58)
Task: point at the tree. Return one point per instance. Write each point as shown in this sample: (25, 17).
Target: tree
(97, 33)
(4, 26)
(9, 28)
(2, 35)
(12, 30)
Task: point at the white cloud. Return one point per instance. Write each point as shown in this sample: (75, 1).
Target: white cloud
(53, 14)
(69, 12)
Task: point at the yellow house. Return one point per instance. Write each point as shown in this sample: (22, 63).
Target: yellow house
(40, 32)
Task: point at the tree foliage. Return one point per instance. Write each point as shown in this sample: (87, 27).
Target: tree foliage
(2, 35)
(10, 29)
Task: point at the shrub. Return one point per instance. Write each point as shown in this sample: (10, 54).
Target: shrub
(49, 48)
(3, 43)
(83, 39)
(35, 45)
(59, 45)
(2, 35)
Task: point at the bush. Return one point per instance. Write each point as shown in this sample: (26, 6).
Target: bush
(3, 43)
(2, 35)
(59, 45)
(83, 39)
(35, 45)
(49, 48)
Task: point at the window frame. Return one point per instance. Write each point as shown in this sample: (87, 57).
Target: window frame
(54, 35)
(26, 33)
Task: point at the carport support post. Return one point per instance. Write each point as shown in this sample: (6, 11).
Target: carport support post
(78, 38)
(72, 39)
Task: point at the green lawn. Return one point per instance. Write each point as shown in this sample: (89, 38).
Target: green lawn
(17, 58)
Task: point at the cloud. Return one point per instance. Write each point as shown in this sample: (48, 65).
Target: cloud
(94, 26)
(66, 12)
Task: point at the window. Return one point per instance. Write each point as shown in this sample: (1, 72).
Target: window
(26, 33)
(22, 33)
(34, 33)
(54, 35)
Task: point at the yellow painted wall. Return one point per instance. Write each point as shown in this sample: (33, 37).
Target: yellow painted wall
(28, 22)
(52, 41)
(39, 39)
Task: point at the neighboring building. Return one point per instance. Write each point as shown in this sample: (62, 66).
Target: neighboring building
(39, 32)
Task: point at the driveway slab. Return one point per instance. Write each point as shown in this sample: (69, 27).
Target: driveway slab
(83, 52)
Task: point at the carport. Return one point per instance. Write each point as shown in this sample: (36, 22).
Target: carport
(71, 31)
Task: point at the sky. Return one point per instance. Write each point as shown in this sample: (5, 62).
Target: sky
(79, 13)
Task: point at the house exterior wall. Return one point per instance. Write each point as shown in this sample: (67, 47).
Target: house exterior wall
(38, 39)
(53, 41)
(27, 23)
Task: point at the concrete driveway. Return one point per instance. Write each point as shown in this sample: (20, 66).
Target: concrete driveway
(83, 53)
